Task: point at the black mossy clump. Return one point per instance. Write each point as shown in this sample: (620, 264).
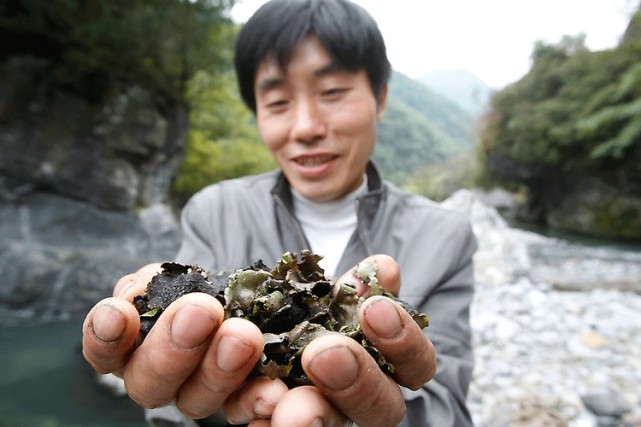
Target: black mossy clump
(174, 281)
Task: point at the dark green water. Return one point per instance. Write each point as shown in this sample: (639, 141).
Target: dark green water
(44, 381)
(579, 239)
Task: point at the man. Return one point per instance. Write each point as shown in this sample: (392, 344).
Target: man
(315, 73)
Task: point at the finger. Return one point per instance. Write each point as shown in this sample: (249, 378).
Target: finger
(232, 355)
(387, 272)
(136, 283)
(306, 406)
(172, 349)
(393, 331)
(351, 379)
(254, 401)
(109, 335)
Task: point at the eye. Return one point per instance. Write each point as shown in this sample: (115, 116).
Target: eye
(334, 92)
(277, 105)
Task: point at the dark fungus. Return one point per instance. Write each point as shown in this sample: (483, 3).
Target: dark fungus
(292, 304)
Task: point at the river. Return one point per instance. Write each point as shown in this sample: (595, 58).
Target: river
(44, 381)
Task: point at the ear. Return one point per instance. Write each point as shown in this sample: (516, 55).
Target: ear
(382, 101)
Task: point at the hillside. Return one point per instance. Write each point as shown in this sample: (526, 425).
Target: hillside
(460, 86)
(569, 132)
(419, 128)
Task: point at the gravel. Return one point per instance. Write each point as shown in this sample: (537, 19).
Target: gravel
(555, 328)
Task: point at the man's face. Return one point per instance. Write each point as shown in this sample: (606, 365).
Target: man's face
(318, 120)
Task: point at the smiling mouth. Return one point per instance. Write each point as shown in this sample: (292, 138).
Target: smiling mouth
(310, 161)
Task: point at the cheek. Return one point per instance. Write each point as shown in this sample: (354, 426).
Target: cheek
(362, 128)
(273, 135)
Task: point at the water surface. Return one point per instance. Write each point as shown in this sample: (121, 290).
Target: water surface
(44, 381)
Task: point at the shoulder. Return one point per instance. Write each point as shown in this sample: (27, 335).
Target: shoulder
(264, 181)
(230, 198)
(425, 223)
(231, 190)
(414, 205)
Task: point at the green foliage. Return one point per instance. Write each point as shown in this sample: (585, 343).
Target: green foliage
(439, 181)
(571, 127)
(419, 128)
(616, 120)
(223, 142)
(440, 113)
(181, 51)
(575, 110)
(155, 43)
(208, 161)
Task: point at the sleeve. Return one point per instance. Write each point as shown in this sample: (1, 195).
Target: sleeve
(441, 401)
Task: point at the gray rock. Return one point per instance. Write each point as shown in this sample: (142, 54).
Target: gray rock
(606, 403)
(58, 256)
(117, 155)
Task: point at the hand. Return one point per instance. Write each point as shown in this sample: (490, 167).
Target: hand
(349, 385)
(190, 357)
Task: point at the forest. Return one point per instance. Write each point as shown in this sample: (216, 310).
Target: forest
(572, 126)
(576, 113)
(184, 52)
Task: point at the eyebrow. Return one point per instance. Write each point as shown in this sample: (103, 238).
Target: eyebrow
(331, 68)
(270, 83)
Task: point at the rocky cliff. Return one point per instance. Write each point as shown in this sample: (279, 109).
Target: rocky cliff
(82, 189)
(607, 204)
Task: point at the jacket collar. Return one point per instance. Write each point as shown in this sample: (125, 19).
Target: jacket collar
(367, 207)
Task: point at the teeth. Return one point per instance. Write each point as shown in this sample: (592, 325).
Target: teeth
(313, 161)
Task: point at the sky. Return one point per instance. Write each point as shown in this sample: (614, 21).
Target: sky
(492, 39)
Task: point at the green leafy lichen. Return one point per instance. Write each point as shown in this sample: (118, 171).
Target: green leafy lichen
(292, 304)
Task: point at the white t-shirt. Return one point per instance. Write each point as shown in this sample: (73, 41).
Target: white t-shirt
(328, 226)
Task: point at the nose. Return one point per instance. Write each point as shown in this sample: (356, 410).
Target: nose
(309, 122)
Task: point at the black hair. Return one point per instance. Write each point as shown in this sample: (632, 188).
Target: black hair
(348, 33)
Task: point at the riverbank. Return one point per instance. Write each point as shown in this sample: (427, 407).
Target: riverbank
(555, 325)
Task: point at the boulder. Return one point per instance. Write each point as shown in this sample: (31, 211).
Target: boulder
(59, 256)
(117, 154)
(83, 189)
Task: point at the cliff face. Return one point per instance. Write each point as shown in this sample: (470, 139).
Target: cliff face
(603, 205)
(116, 154)
(82, 190)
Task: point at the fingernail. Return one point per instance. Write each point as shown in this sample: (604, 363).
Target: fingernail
(335, 367)
(382, 316)
(263, 407)
(233, 353)
(191, 326)
(108, 323)
(125, 288)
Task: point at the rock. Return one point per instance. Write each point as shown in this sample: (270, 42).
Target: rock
(59, 256)
(111, 383)
(539, 349)
(83, 189)
(605, 205)
(117, 155)
(595, 207)
(593, 340)
(606, 403)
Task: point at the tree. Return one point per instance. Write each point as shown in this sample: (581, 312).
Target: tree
(158, 44)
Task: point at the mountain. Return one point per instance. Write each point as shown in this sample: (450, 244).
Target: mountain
(461, 87)
(419, 128)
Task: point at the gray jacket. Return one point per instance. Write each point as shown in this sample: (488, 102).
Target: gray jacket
(235, 223)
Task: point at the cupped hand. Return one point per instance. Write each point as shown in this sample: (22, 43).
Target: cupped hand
(190, 357)
(349, 386)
